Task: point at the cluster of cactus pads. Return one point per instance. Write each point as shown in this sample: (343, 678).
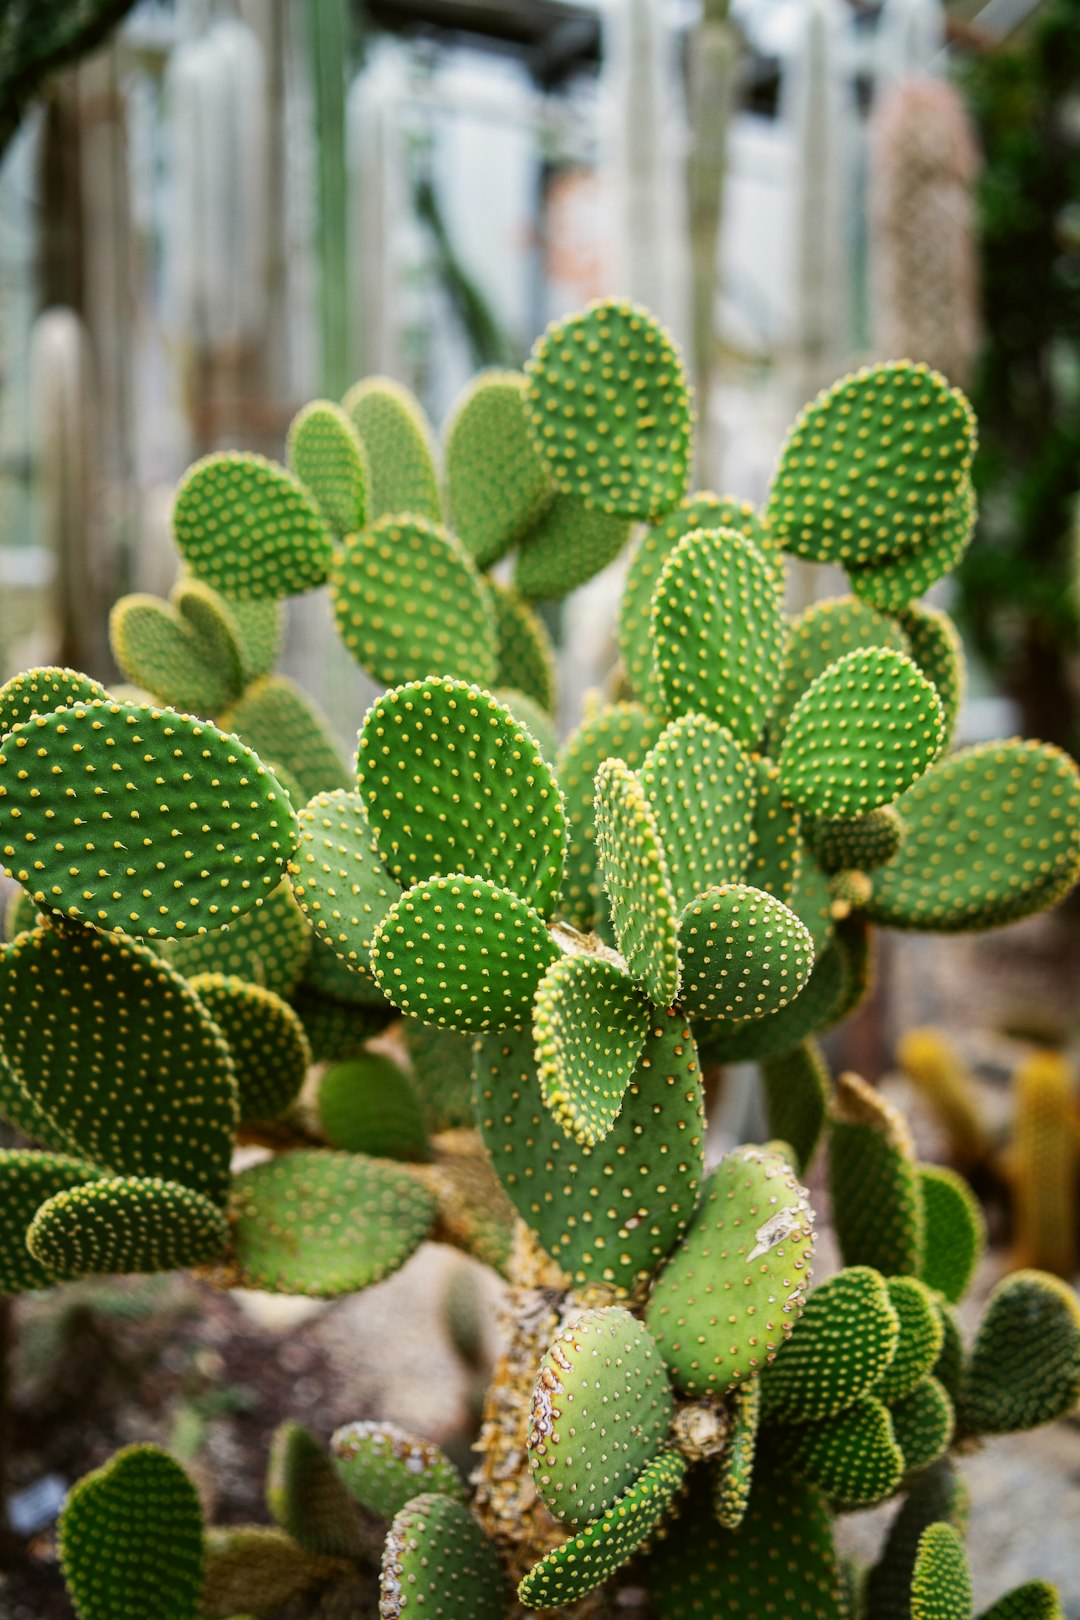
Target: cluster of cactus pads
(464, 987)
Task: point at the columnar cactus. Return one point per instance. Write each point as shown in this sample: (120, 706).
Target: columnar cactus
(549, 942)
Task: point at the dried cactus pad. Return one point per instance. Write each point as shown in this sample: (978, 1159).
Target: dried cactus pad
(323, 1223)
(993, 834)
(844, 1341)
(462, 953)
(266, 1042)
(144, 1090)
(383, 1467)
(437, 1561)
(338, 877)
(609, 407)
(496, 483)
(158, 824)
(249, 528)
(587, 1559)
(125, 1225)
(860, 735)
(28, 1180)
(409, 602)
(941, 1582)
(1024, 1368)
(325, 453)
(733, 1291)
(871, 466)
(601, 1410)
(39, 691)
(897, 582)
(718, 631)
(131, 1539)
(701, 788)
(744, 954)
(395, 433)
(590, 1025)
(452, 783)
(635, 873)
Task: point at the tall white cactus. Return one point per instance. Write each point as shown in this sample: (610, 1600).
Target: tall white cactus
(909, 41)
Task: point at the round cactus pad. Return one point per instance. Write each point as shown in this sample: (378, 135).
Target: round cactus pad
(397, 438)
(452, 783)
(325, 453)
(820, 635)
(368, 1104)
(860, 735)
(409, 602)
(126, 1225)
(857, 843)
(922, 1335)
(143, 1088)
(587, 1559)
(733, 1291)
(323, 1224)
(497, 485)
(590, 1025)
(646, 1171)
(876, 1202)
(249, 528)
(1006, 1387)
(338, 877)
(941, 1581)
(526, 657)
(955, 1231)
(843, 1343)
(870, 467)
(635, 872)
(131, 1539)
(282, 725)
(853, 1456)
(718, 631)
(609, 408)
(701, 788)
(39, 691)
(569, 544)
(923, 1421)
(744, 954)
(190, 664)
(897, 582)
(268, 945)
(934, 643)
(601, 1410)
(308, 1499)
(27, 1181)
(156, 823)
(266, 1041)
(1034, 1600)
(384, 1467)
(437, 1561)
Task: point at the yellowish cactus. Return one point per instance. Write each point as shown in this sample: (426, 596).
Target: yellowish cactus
(1044, 1163)
(934, 1068)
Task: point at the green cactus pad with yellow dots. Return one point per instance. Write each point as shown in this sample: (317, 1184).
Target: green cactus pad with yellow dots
(1007, 1388)
(635, 873)
(337, 875)
(934, 644)
(438, 1561)
(526, 657)
(496, 483)
(897, 582)
(269, 1050)
(701, 788)
(923, 1422)
(955, 1231)
(324, 451)
(569, 544)
(853, 1457)
(283, 725)
(941, 1579)
(877, 1205)
(743, 954)
(125, 1225)
(249, 528)
(590, 1025)
(398, 442)
(816, 638)
(796, 1093)
(381, 1466)
(27, 1181)
(307, 1497)
(41, 690)
(181, 651)
(843, 1343)
(368, 1104)
(920, 1341)
(268, 946)
(776, 847)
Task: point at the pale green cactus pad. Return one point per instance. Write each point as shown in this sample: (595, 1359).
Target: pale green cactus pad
(382, 1467)
(280, 722)
(268, 945)
(955, 1231)
(39, 691)
(438, 1561)
(735, 1471)
(853, 1457)
(701, 511)
(452, 783)
(526, 657)
(652, 1159)
(843, 1343)
(896, 583)
(993, 834)
(923, 1421)
(732, 1293)
(934, 643)
(324, 451)
(496, 483)
(701, 787)
(1035, 1600)
(124, 1225)
(409, 602)
(568, 545)
(941, 1581)
(337, 875)
(307, 1497)
(601, 1410)
(743, 954)
(937, 1496)
(861, 734)
(860, 843)
(922, 1335)
(843, 489)
(820, 635)
(122, 787)
(590, 1024)
(1006, 1387)
(28, 1180)
(776, 851)
(266, 1041)
(619, 731)
(462, 953)
(368, 1104)
(183, 657)
(609, 407)
(249, 528)
(877, 1204)
(796, 1090)
(131, 1539)
(634, 868)
(587, 1559)
(259, 629)
(323, 1223)
(718, 631)
(397, 438)
(148, 1090)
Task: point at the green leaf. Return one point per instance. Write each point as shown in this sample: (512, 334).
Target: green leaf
(437, 1557)
(842, 1344)
(496, 483)
(609, 407)
(282, 724)
(1024, 1367)
(324, 451)
(126, 1224)
(398, 441)
(381, 1466)
(955, 1231)
(941, 1582)
(131, 1540)
(266, 1041)
(701, 788)
(636, 878)
(308, 1498)
(28, 1180)
(590, 1025)
(249, 528)
(744, 954)
(158, 824)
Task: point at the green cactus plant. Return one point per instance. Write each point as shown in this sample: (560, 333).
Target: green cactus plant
(549, 942)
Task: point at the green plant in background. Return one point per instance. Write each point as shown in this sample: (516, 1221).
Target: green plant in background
(550, 942)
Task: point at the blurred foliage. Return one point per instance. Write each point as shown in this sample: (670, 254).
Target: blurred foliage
(39, 36)
(1016, 593)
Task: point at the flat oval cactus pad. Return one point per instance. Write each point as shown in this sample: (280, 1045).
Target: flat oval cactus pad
(438, 1561)
(249, 528)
